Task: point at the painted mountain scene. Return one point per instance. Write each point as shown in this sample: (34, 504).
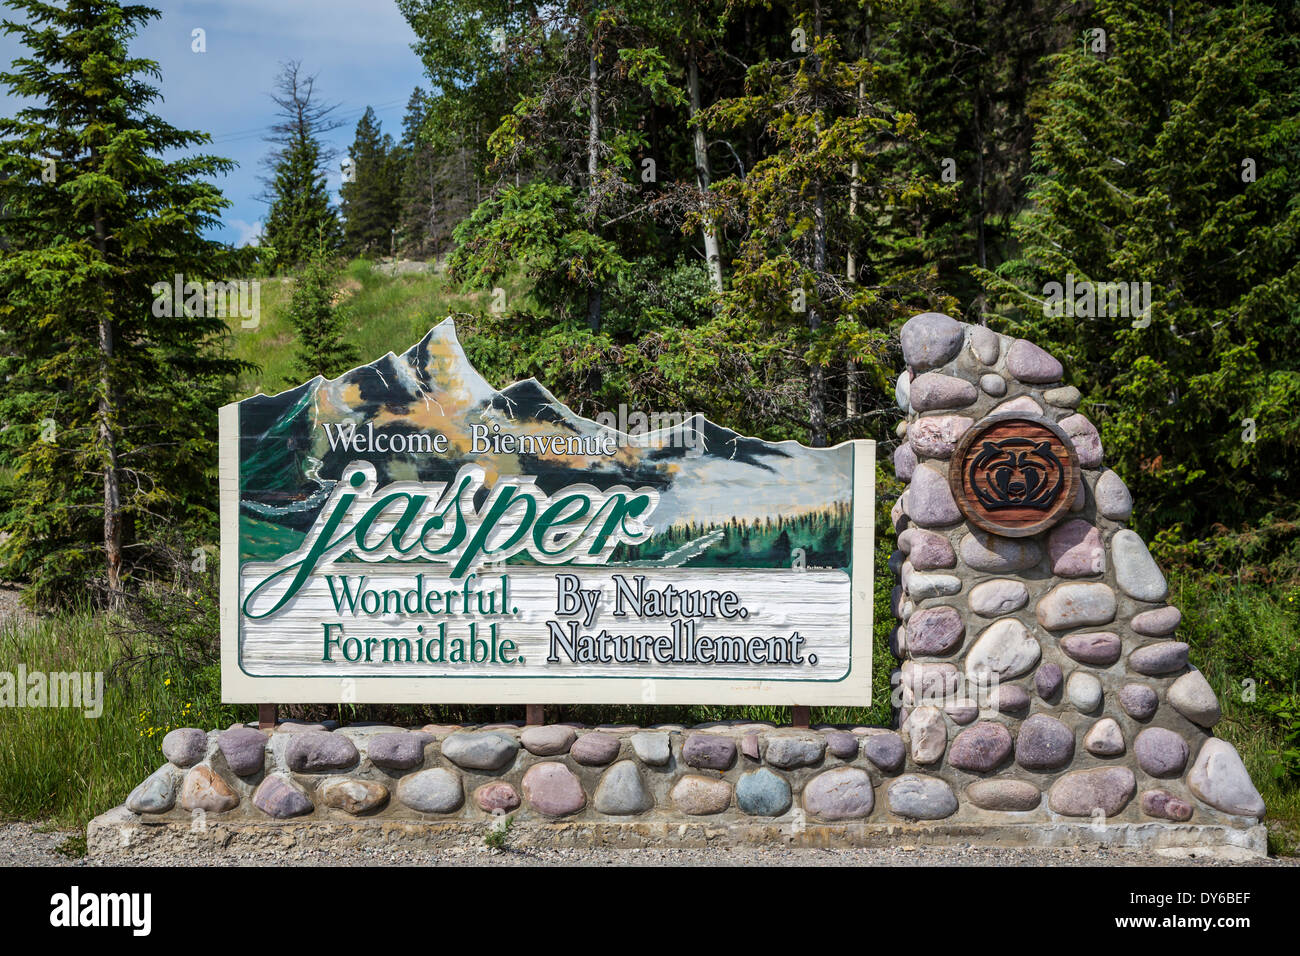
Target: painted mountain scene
(724, 500)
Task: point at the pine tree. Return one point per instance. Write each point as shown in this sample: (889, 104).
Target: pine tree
(110, 401)
(319, 320)
(301, 216)
(370, 194)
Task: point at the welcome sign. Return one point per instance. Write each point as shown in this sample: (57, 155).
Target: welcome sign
(408, 533)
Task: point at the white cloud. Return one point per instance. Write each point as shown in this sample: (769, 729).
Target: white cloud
(246, 233)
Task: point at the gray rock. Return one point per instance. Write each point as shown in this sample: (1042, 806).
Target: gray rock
(844, 793)
(353, 796)
(1076, 605)
(933, 391)
(1005, 795)
(244, 750)
(1048, 680)
(1220, 779)
(1075, 549)
(918, 797)
(998, 555)
(1163, 804)
(1104, 738)
(1160, 752)
(930, 339)
(1099, 649)
(431, 791)
(985, 344)
(1022, 404)
(1084, 692)
(993, 384)
(1193, 697)
(1138, 701)
(1136, 572)
(929, 502)
(762, 793)
(1163, 657)
(1084, 437)
(548, 740)
(1004, 650)
(904, 462)
(204, 790)
(886, 751)
(936, 436)
(621, 791)
(790, 752)
(157, 794)
(700, 796)
(653, 749)
(316, 751)
(842, 744)
(1027, 362)
(594, 749)
(928, 733)
(404, 751)
(980, 748)
(484, 750)
(1157, 623)
(935, 631)
(1114, 500)
(1083, 792)
(1044, 743)
(998, 597)
(278, 797)
(185, 746)
(496, 797)
(902, 391)
(922, 586)
(1011, 699)
(1065, 397)
(709, 751)
(926, 681)
(927, 550)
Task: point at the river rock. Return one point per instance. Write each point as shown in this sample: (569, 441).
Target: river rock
(1193, 697)
(652, 749)
(885, 750)
(1022, 404)
(1044, 743)
(1220, 779)
(790, 752)
(998, 597)
(1048, 680)
(594, 749)
(1114, 500)
(1166, 806)
(700, 796)
(993, 384)
(904, 462)
(484, 750)
(316, 751)
(1163, 657)
(1160, 752)
(1104, 738)
(497, 797)
(1076, 605)
(185, 746)
(1027, 362)
(204, 789)
(933, 391)
(1075, 549)
(1084, 691)
(963, 711)
(157, 794)
(244, 749)
(844, 793)
(930, 340)
(278, 797)
(353, 796)
(404, 751)
(431, 791)
(922, 586)
(998, 555)
(928, 733)
(1065, 397)
(919, 797)
(621, 791)
(929, 501)
(709, 751)
(928, 681)
(549, 740)
(902, 391)
(1004, 650)
(1100, 649)
(842, 744)
(1136, 572)
(1005, 795)
(980, 748)
(935, 436)
(1084, 437)
(935, 631)
(1138, 701)
(762, 793)
(985, 344)
(551, 788)
(1083, 792)
(1157, 623)
(927, 550)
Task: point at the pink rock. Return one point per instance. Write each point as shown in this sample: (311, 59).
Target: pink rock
(929, 501)
(936, 435)
(1027, 362)
(933, 391)
(1085, 438)
(551, 789)
(1022, 404)
(1076, 549)
(497, 796)
(904, 462)
(1157, 623)
(927, 550)
(935, 631)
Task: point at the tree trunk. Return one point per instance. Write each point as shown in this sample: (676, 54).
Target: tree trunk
(816, 375)
(593, 143)
(851, 259)
(112, 491)
(711, 253)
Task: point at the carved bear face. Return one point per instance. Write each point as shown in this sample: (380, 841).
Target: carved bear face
(1016, 473)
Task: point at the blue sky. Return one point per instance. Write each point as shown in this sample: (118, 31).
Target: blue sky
(359, 50)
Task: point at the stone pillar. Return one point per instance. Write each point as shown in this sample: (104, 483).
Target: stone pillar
(1041, 666)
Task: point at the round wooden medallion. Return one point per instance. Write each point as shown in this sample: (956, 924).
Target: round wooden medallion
(1014, 474)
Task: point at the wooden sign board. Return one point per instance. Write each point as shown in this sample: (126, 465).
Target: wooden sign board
(407, 533)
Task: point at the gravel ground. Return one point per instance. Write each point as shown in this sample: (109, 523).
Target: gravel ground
(24, 844)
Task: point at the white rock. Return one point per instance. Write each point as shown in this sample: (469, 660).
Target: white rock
(1004, 650)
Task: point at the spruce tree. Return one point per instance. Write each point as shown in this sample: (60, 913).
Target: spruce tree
(110, 402)
(319, 320)
(370, 196)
